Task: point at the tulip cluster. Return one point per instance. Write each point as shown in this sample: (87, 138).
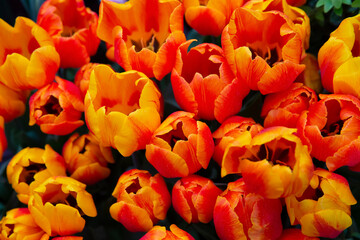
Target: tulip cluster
(210, 118)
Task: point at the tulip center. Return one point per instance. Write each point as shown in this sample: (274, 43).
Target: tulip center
(11, 230)
(55, 195)
(270, 55)
(51, 106)
(174, 135)
(311, 193)
(134, 186)
(333, 128)
(334, 122)
(277, 152)
(203, 2)
(68, 31)
(152, 44)
(86, 142)
(28, 173)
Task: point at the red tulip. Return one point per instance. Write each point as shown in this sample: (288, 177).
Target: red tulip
(180, 146)
(204, 84)
(239, 214)
(141, 200)
(72, 27)
(57, 107)
(193, 198)
(331, 130)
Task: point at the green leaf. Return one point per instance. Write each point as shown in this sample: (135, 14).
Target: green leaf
(327, 5)
(356, 4)
(347, 2)
(338, 11)
(319, 3)
(337, 4)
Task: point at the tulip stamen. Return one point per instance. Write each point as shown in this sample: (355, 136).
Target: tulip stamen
(152, 44)
(333, 128)
(28, 173)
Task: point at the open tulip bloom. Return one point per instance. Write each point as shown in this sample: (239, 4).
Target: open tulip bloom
(179, 119)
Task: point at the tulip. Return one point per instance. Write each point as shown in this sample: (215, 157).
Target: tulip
(209, 17)
(58, 204)
(141, 200)
(28, 59)
(299, 20)
(339, 59)
(180, 146)
(239, 214)
(266, 56)
(324, 208)
(331, 130)
(204, 84)
(3, 141)
(72, 27)
(32, 166)
(194, 197)
(140, 39)
(229, 131)
(160, 233)
(274, 163)
(123, 109)
(85, 160)
(284, 108)
(18, 224)
(57, 107)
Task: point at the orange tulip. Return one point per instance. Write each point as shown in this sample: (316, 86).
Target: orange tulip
(265, 56)
(57, 107)
(32, 166)
(18, 224)
(229, 131)
(180, 146)
(3, 141)
(72, 27)
(140, 39)
(239, 214)
(58, 204)
(284, 108)
(82, 77)
(204, 84)
(123, 109)
(339, 59)
(193, 198)
(160, 233)
(85, 160)
(274, 163)
(28, 59)
(331, 130)
(210, 17)
(324, 208)
(142, 200)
